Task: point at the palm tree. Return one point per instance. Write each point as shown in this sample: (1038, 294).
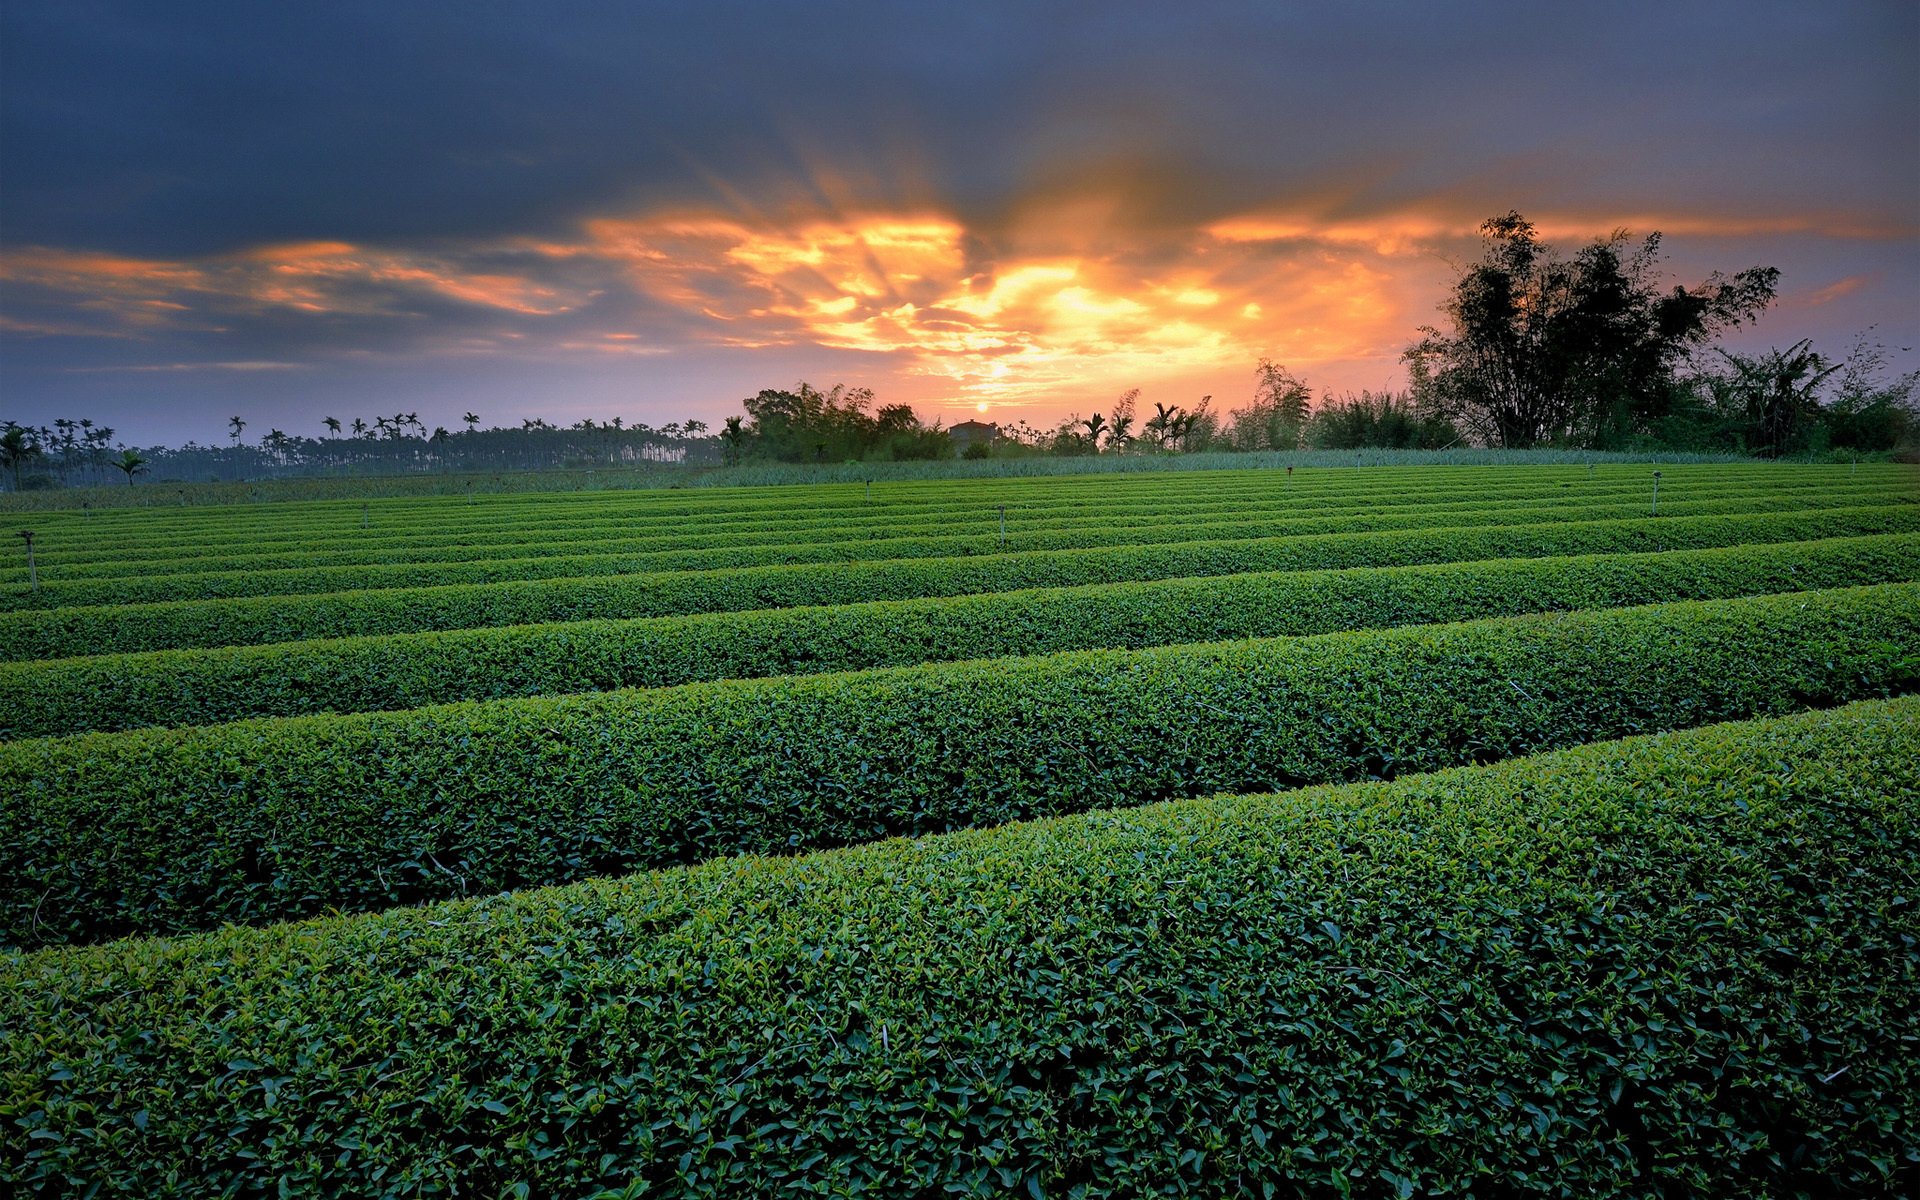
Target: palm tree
(1121, 433)
(1779, 392)
(234, 426)
(359, 427)
(1096, 425)
(333, 425)
(1160, 424)
(734, 435)
(17, 449)
(131, 462)
(473, 421)
(1180, 427)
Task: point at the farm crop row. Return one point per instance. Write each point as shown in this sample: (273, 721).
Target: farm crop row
(159, 831)
(975, 522)
(191, 687)
(1109, 530)
(445, 518)
(65, 632)
(1679, 964)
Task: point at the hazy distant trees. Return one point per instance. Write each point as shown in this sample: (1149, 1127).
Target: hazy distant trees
(1587, 350)
(1277, 417)
(810, 425)
(18, 447)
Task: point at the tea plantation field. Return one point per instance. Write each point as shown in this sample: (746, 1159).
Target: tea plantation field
(1466, 830)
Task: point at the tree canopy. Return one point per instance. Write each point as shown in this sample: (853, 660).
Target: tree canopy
(1549, 350)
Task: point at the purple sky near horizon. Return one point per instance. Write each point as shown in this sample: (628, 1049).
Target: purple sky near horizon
(1010, 210)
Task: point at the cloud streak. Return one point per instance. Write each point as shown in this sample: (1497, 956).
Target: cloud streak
(987, 204)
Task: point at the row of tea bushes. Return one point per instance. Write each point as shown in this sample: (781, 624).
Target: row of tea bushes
(72, 558)
(147, 587)
(1681, 965)
(108, 629)
(448, 517)
(157, 831)
(198, 687)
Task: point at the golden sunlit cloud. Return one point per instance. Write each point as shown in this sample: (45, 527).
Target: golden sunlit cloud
(1067, 298)
(983, 323)
(314, 277)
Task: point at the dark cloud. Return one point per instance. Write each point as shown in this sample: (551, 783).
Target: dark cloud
(438, 142)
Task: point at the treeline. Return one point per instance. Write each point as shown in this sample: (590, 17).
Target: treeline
(809, 425)
(1590, 351)
(76, 453)
(1593, 351)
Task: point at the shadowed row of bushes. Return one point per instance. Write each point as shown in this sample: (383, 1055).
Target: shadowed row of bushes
(1109, 528)
(186, 533)
(108, 629)
(1679, 965)
(196, 687)
(155, 831)
(79, 555)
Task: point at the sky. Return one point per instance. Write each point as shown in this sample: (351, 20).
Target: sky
(1001, 211)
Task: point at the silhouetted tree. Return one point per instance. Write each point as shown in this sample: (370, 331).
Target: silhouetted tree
(1572, 351)
(18, 447)
(1778, 395)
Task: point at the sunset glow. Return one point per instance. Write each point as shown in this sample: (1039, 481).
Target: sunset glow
(1033, 267)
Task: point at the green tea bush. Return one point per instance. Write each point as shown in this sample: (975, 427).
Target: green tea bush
(196, 687)
(1679, 965)
(1107, 529)
(158, 831)
(183, 536)
(64, 632)
(80, 550)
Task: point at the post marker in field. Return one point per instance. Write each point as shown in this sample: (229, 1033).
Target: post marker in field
(33, 572)
(365, 513)
(1656, 493)
(1003, 526)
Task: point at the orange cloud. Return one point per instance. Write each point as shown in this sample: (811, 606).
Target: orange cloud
(1003, 323)
(1069, 295)
(316, 277)
(1834, 290)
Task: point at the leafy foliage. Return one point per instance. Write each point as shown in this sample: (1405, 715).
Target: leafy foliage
(1547, 350)
(194, 687)
(1676, 965)
(163, 830)
(835, 541)
(126, 628)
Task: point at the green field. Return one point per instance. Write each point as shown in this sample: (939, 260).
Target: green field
(1394, 831)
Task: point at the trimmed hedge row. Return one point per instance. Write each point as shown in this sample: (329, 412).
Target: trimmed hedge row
(1679, 965)
(974, 526)
(157, 831)
(1110, 529)
(85, 546)
(449, 518)
(199, 687)
(65, 632)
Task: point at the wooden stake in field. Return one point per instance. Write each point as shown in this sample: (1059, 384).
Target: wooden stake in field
(1003, 527)
(1656, 493)
(33, 572)
(869, 491)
